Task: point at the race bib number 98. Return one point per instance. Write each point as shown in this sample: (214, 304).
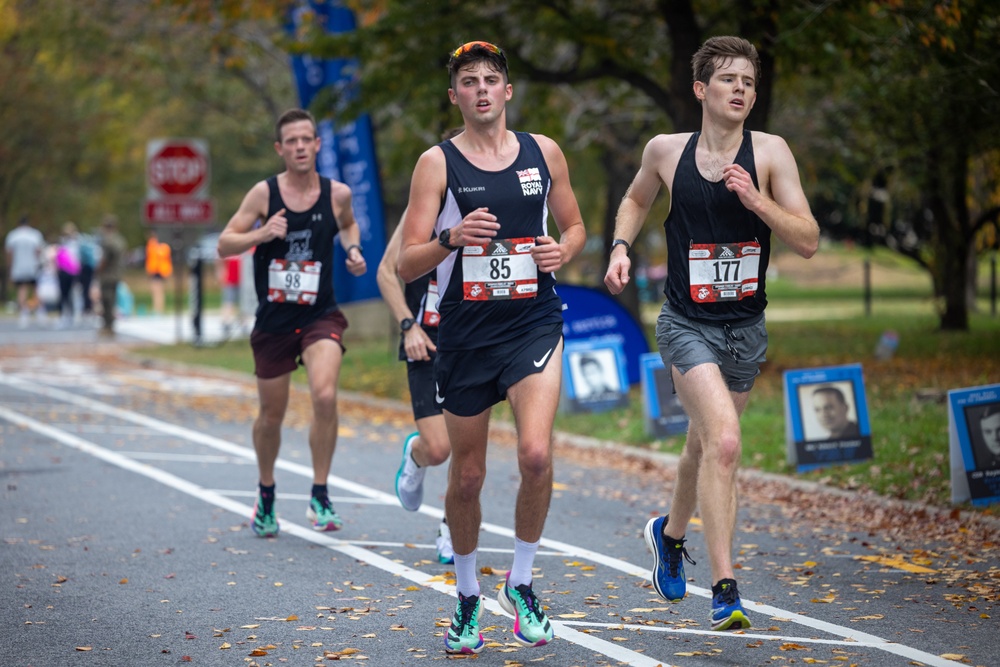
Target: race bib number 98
(293, 282)
(501, 269)
(723, 271)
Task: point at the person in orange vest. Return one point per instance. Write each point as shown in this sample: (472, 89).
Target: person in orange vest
(159, 267)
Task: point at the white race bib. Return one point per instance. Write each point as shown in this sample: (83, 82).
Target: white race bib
(293, 282)
(502, 269)
(723, 271)
(432, 317)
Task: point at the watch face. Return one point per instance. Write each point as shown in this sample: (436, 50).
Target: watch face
(406, 324)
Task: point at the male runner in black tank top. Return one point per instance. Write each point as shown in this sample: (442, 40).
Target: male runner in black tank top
(297, 316)
(415, 309)
(485, 194)
(729, 190)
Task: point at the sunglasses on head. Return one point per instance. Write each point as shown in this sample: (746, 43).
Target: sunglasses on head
(465, 48)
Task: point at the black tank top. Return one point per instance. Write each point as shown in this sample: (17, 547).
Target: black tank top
(416, 294)
(518, 196)
(703, 212)
(293, 276)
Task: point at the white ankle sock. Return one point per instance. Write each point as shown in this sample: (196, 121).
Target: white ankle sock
(524, 558)
(466, 581)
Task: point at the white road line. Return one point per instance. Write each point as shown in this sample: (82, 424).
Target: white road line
(609, 649)
(850, 636)
(666, 629)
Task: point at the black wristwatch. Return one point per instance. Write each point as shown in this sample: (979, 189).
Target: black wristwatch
(623, 242)
(406, 324)
(444, 238)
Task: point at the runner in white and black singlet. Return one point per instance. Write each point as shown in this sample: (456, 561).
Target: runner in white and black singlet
(729, 190)
(292, 220)
(486, 195)
(414, 306)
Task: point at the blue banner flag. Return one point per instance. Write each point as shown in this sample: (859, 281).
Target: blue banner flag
(347, 150)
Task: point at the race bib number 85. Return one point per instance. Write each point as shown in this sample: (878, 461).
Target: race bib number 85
(501, 269)
(293, 282)
(723, 271)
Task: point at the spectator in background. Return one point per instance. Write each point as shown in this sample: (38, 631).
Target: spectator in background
(88, 264)
(110, 270)
(159, 267)
(24, 245)
(229, 281)
(68, 268)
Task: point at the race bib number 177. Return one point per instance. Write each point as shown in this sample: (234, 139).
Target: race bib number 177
(723, 271)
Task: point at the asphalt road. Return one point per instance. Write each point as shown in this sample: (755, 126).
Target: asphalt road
(127, 488)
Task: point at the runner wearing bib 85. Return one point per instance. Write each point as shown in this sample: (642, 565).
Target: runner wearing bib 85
(485, 195)
(292, 219)
(729, 190)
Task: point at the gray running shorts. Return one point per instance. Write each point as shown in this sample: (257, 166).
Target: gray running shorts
(737, 351)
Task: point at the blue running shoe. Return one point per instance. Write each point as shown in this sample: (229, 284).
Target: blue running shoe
(727, 610)
(668, 561)
(463, 636)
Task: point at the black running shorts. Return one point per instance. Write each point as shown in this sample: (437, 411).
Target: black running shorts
(470, 381)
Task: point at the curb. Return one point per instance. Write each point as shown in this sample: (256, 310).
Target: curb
(583, 442)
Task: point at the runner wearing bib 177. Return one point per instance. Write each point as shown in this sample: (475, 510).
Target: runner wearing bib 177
(298, 321)
(729, 189)
(485, 195)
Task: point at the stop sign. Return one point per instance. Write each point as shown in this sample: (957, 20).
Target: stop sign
(177, 168)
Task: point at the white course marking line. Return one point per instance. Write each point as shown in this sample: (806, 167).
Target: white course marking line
(606, 648)
(182, 458)
(851, 637)
(712, 633)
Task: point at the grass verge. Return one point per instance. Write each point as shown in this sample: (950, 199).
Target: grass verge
(906, 395)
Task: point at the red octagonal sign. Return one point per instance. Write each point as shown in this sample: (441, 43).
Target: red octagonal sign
(178, 169)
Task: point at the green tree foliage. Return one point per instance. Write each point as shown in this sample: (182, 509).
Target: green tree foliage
(87, 83)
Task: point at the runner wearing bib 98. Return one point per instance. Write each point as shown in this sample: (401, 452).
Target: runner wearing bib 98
(485, 196)
(297, 321)
(729, 190)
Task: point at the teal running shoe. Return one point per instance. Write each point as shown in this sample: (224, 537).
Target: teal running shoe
(463, 636)
(727, 610)
(531, 625)
(264, 522)
(322, 514)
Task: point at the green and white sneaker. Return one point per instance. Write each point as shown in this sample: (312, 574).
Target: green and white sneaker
(264, 524)
(531, 625)
(410, 478)
(463, 636)
(322, 514)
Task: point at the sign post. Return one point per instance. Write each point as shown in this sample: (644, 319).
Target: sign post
(178, 175)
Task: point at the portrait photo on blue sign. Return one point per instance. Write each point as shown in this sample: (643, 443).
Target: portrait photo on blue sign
(664, 413)
(974, 444)
(594, 375)
(826, 416)
(828, 411)
(984, 434)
